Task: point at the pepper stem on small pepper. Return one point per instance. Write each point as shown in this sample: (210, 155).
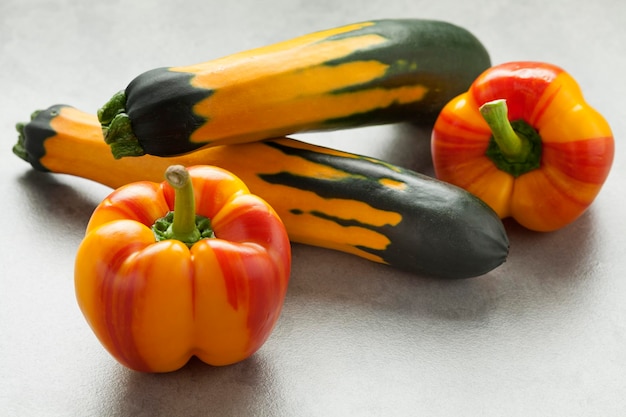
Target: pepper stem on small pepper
(183, 223)
(496, 115)
(515, 146)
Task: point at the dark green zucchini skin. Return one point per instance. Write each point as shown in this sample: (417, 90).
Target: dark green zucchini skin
(160, 113)
(444, 231)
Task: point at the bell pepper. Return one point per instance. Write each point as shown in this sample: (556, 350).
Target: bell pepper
(523, 139)
(192, 266)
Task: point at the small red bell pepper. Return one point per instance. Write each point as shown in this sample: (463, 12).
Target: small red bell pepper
(159, 283)
(524, 140)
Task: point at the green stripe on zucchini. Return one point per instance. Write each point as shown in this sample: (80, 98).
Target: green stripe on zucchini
(440, 227)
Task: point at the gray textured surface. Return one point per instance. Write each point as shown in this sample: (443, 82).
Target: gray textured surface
(544, 335)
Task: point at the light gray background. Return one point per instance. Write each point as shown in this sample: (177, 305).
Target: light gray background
(544, 335)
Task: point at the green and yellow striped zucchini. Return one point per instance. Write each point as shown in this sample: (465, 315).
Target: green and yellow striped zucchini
(325, 197)
(376, 72)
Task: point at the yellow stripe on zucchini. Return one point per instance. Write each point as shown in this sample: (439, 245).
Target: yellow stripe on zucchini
(376, 72)
(325, 197)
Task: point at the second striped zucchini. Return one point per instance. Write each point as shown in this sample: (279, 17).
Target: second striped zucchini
(325, 197)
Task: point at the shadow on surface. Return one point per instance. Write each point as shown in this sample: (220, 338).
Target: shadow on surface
(200, 389)
(562, 256)
(59, 202)
(541, 267)
(410, 148)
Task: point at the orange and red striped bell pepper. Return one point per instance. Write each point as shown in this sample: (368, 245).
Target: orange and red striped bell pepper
(193, 266)
(524, 140)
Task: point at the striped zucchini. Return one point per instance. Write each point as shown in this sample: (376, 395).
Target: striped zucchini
(375, 72)
(325, 197)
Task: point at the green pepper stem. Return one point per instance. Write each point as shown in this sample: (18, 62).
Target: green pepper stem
(184, 224)
(514, 147)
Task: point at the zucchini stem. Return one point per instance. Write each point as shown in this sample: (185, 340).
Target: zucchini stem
(19, 148)
(117, 129)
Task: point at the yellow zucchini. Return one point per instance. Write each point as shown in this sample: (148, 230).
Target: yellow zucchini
(325, 197)
(376, 72)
